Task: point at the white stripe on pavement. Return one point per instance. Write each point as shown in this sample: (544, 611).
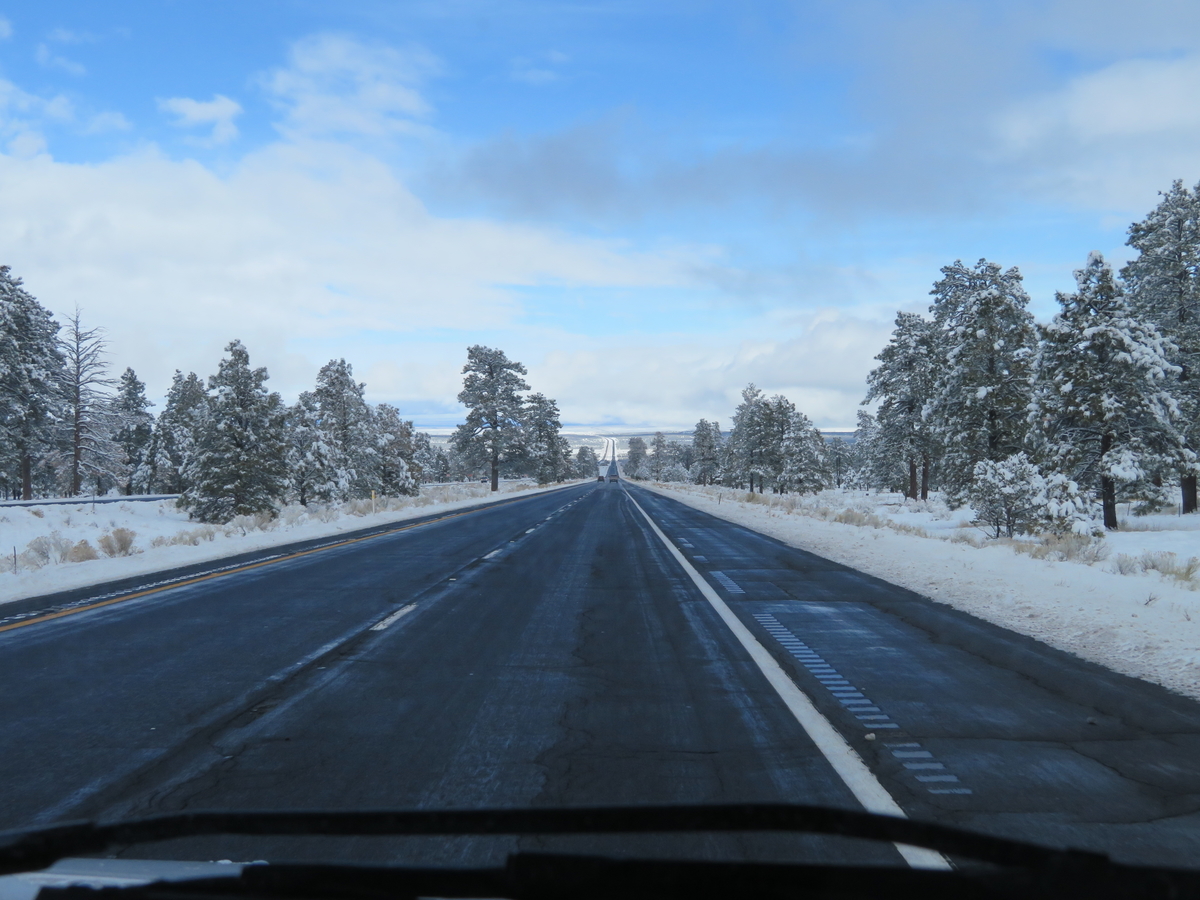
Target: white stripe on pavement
(845, 761)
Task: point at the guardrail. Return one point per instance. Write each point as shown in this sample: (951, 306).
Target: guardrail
(58, 501)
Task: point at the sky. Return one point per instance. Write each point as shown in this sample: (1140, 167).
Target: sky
(649, 204)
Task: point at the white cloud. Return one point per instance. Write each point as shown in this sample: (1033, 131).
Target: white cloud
(1112, 137)
(335, 85)
(305, 253)
(49, 60)
(219, 112)
(674, 381)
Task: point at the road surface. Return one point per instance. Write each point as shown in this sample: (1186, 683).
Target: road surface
(552, 650)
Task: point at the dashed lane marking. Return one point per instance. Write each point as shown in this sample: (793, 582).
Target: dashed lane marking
(398, 614)
(493, 553)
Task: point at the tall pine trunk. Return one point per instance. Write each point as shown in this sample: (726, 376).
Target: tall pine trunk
(26, 475)
(912, 478)
(1108, 489)
(495, 470)
(1188, 489)
(77, 454)
(924, 477)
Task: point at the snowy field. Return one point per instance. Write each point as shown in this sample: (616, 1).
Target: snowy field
(1129, 601)
(58, 546)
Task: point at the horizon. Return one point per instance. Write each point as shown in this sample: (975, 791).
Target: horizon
(649, 205)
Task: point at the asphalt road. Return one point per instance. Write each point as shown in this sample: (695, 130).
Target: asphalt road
(550, 651)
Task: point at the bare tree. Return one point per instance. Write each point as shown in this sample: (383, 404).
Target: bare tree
(88, 419)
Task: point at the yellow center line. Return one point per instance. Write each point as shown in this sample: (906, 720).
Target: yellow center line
(246, 568)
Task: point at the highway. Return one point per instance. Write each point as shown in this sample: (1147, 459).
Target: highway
(555, 650)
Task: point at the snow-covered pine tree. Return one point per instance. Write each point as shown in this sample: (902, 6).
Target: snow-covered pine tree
(547, 453)
(89, 414)
(430, 464)
(31, 367)
(586, 463)
(635, 461)
(747, 444)
(316, 469)
(979, 403)
(659, 459)
(837, 455)
(239, 466)
(394, 437)
(805, 469)
(903, 383)
(1164, 287)
(1102, 411)
(134, 429)
(871, 466)
(492, 434)
(175, 434)
(706, 448)
(346, 418)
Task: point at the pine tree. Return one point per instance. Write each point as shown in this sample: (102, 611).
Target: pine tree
(239, 466)
(316, 469)
(492, 434)
(706, 447)
(1164, 287)
(394, 443)
(745, 450)
(135, 429)
(805, 469)
(979, 403)
(635, 461)
(547, 453)
(838, 455)
(175, 435)
(430, 464)
(31, 368)
(904, 383)
(1103, 411)
(586, 463)
(658, 455)
(346, 418)
(872, 467)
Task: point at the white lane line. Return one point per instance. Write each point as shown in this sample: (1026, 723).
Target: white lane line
(400, 613)
(841, 756)
(493, 553)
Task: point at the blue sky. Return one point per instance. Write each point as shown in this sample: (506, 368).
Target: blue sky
(649, 204)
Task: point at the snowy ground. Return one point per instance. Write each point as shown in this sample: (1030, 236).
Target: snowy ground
(1129, 601)
(58, 547)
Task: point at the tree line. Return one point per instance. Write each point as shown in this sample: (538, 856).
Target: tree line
(1037, 427)
(771, 445)
(1049, 427)
(228, 445)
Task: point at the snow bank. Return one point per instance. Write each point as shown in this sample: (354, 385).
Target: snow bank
(59, 547)
(1143, 623)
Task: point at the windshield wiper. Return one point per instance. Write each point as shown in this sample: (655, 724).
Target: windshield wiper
(1017, 868)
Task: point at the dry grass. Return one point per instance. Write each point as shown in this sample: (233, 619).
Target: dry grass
(118, 542)
(1064, 548)
(1164, 562)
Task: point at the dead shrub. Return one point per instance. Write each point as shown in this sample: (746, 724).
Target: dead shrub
(118, 542)
(82, 552)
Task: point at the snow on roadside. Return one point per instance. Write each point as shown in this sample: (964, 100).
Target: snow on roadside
(44, 537)
(1146, 626)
